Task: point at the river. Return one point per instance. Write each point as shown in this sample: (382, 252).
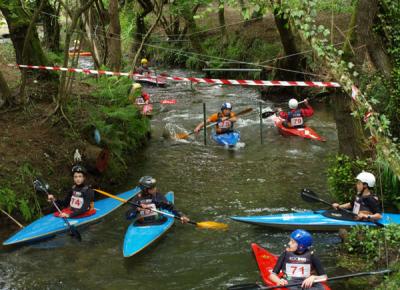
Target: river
(210, 183)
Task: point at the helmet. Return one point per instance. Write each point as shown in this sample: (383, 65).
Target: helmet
(303, 238)
(366, 177)
(293, 104)
(226, 106)
(144, 60)
(79, 169)
(136, 86)
(147, 182)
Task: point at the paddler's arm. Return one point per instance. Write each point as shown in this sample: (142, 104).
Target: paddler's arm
(316, 264)
(163, 203)
(212, 118)
(342, 206)
(274, 273)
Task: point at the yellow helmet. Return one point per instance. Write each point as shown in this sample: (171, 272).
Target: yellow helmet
(144, 60)
(136, 86)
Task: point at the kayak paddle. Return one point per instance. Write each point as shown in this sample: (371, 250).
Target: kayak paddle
(185, 135)
(40, 187)
(311, 196)
(206, 224)
(255, 286)
(13, 219)
(163, 102)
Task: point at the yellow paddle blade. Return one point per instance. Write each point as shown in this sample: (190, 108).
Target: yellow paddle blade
(181, 135)
(212, 225)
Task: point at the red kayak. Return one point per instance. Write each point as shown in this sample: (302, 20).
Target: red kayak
(152, 80)
(147, 110)
(305, 132)
(266, 262)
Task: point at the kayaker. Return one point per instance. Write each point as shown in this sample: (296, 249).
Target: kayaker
(295, 117)
(144, 67)
(366, 204)
(80, 198)
(226, 119)
(150, 198)
(137, 96)
(299, 264)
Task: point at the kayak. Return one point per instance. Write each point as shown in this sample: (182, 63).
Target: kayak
(152, 80)
(82, 53)
(51, 225)
(228, 139)
(305, 132)
(322, 220)
(138, 237)
(266, 262)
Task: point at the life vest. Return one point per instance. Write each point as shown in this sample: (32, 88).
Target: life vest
(360, 203)
(143, 98)
(295, 119)
(148, 215)
(77, 201)
(225, 125)
(297, 266)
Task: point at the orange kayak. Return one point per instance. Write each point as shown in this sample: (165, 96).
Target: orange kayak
(82, 53)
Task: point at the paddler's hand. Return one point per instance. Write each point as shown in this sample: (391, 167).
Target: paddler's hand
(63, 214)
(307, 283)
(282, 282)
(335, 205)
(50, 198)
(197, 129)
(184, 219)
(305, 101)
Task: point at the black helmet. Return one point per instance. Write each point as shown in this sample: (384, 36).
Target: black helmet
(79, 169)
(147, 182)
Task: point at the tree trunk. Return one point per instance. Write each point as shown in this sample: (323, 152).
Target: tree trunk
(5, 92)
(367, 42)
(114, 38)
(51, 27)
(18, 23)
(349, 129)
(288, 40)
(147, 7)
(221, 19)
(192, 28)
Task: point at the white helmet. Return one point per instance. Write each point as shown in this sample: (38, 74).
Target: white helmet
(366, 177)
(293, 103)
(136, 86)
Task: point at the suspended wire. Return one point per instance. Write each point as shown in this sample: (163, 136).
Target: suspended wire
(198, 55)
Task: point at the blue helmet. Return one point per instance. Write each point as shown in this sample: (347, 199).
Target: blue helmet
(303, 238)
(226, 106)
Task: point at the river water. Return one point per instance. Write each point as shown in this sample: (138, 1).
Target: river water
(210, 183)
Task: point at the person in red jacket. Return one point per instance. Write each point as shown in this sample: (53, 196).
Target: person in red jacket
(295, 117)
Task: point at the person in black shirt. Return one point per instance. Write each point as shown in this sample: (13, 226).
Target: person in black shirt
(366, 204)
(149, 199)
(299, 264)
(79, 198)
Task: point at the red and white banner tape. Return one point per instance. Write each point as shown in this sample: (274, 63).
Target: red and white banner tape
(185, 79)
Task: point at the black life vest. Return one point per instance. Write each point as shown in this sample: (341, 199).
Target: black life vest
(296, 266)
(77, 201)
(360, 203)
(226, 125)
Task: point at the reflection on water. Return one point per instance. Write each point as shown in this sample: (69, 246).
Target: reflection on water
(210, 183)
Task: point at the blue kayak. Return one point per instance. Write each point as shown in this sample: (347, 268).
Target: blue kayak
(321, 220)
(138, 237)
(228, 139)
(51, 225)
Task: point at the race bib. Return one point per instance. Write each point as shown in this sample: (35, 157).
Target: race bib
(140, 101)
(298, 270)
(296, 121)
(225, 124)
(356, 207)
(147, 212)
(76, 202)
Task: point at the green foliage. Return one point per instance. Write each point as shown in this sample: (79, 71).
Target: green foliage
(121, 126)
(341, 176)
(370, 243)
